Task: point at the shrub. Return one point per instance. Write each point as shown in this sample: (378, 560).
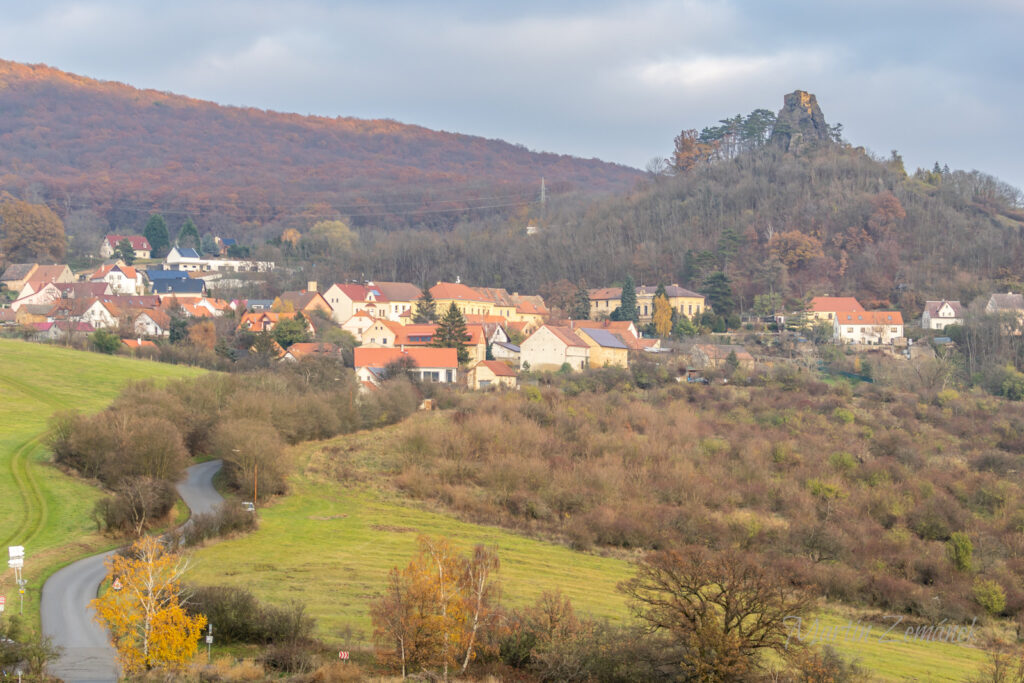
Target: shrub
(959, 550)
(990, 595)
(228, 518)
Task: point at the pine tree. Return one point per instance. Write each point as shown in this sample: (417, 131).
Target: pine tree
(125, 251)
(581, 303)
(718, 289)
(188, 236)
(627, 307)
(426, 308)
(451, 332)
(156, 234)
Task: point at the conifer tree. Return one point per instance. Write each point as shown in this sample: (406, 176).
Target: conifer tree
(426, 308)
(188, 236)
(156, 234)
(451, 332)
(627, 307)
(581, 303)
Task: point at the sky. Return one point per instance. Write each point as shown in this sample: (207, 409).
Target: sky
(937, 80)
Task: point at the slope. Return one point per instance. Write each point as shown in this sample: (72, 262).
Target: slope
(121, 151)
(40, 507)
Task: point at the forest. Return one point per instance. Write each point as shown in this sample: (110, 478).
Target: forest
(112, 153)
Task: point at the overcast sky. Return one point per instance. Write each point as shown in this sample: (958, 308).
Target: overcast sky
(939, 80)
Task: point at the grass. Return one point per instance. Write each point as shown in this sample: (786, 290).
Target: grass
(330, 545)
(42, 508)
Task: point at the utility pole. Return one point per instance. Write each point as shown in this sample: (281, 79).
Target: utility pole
(543, 202)
(255, 483)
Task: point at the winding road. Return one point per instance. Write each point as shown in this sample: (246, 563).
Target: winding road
(66, 615)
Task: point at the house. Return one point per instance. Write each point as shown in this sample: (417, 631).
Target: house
(381, 333)
(265, 321)
(824, 308)
(99, 314)
(45, 294)
(1005, 303)
(17, 275)
(357, 324)
(301, 350)
(938, 314)
(152, 323)
(140, 245)
(157, 274)
(184, 258)
(684, 302)
(305, 301)
(344, 298)
(607, 349)
(506, 351)
(551, 347)
(189, 288)
(121, 278)
(416, 334)
(466, 299)
(867, 327)
(488, 374)
(61, 330)
(429, 364)
(712, 356)
(73, 290)
(400, 298)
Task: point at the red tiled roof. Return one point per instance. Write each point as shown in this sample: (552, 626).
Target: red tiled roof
(424, 357)
(398, 291)
(303, 349)
(498, 368)
(136, 344)
(565, 335)
(457, 291)
(128, 271)
(138, 241)
(831, 304)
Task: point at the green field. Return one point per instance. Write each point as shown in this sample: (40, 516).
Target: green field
(330, 546)
(42, 508)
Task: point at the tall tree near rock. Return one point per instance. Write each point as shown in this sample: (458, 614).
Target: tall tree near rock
(30, 232)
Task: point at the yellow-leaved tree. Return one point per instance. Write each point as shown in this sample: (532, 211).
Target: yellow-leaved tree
(142, 609)
(662, 316)
(440, 611)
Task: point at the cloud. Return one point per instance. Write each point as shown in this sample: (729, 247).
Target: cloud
(719, 71)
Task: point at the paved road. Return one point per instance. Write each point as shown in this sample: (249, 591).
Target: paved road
(66, 615)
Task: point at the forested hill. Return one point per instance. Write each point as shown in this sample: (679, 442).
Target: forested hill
(780, 223)
(82, 144)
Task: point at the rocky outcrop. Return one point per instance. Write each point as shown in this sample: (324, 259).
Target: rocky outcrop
(800, 122)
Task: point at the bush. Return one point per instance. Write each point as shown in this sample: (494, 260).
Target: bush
(136, 505)
(990, 595)
(240, 618)
(959, 550)
(228, 518)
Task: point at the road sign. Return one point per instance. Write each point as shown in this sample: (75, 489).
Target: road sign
(116, 585)
(3, 602)
(343, 655)
(209, 640)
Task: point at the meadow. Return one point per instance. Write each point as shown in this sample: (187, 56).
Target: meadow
(41, 507)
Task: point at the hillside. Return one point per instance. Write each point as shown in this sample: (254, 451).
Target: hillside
(89, 145)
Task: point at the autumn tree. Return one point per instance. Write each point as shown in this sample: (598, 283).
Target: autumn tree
(330, 238)
(451, 332)
(30, 232)
(156, 234)
(438, 612)
(662, 316)
(203, 335)
(291, 237)
(690, 151)
(794, 248)
(148, 625)
(721, 609)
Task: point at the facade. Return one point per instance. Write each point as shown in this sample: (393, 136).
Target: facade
(466, 299)
(429, 364)
(867, 327)
(152, 323)
(607, 349)
(121, 278)
(552, 346)
(938, 314)
(684, 302)
(824, 308)
(181, 258)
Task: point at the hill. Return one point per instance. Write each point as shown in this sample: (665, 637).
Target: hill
(783, 215)
(41, 507)
(109, 148)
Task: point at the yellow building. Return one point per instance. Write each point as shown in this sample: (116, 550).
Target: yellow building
(488, 374)
(607, 349)
(466, 299)
(683, 301)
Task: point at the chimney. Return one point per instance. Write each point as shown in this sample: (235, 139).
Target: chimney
(311, 286)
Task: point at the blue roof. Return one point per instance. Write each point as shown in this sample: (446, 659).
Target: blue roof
(604, 338)
(507, 345)
(187, 252)
(228, 241)
(166, 275)
(178, 286)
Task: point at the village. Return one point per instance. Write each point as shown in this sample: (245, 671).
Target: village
(504, 333)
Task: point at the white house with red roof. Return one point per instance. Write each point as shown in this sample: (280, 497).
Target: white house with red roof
(938, 314)
(140, 245)
(551, 346)
(428, 364)
(867, 327)
(824, 308)
(121, 278)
